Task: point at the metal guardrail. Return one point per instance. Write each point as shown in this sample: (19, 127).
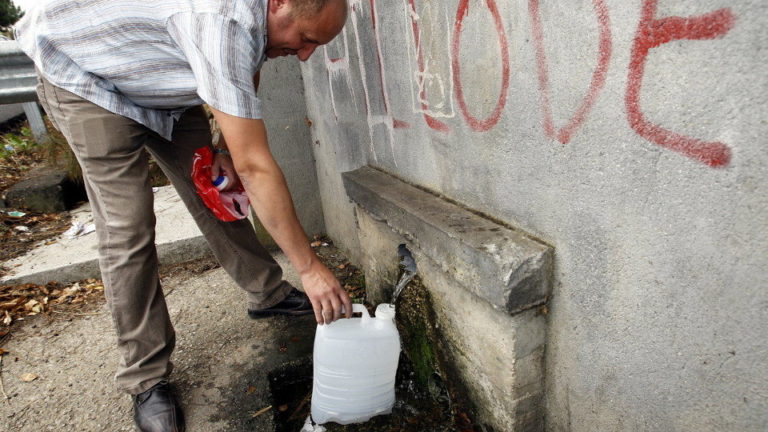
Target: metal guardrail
(17, 85)
(17, 75)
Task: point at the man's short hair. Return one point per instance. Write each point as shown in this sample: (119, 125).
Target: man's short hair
(309, 8)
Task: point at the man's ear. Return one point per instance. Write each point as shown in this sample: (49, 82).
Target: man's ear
(276, 5)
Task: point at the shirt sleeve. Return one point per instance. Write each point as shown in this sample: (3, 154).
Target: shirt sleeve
(223, 56)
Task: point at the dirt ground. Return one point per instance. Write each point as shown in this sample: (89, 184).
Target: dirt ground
(57, 370)
(57, 367)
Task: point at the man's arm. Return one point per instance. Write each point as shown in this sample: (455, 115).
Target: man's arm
(266, 188)
(223, 164)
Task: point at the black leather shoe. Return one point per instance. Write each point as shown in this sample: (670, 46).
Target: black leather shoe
(156, 410)
(297, 303)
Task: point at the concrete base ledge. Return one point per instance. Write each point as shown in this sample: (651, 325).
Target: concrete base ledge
(505, 267)
(168, 254)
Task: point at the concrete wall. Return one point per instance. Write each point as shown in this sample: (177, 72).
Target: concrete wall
(282, 93)
(629, 135)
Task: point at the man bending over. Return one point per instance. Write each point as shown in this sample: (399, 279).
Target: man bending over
(120, 76)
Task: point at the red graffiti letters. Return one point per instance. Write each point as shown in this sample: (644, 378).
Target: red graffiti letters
(474, 123)
(443, 77)
(651, 33)
(598, 77)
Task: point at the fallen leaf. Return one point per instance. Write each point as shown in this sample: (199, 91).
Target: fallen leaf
(12, 304)
(3, 352)
(28, 377)
(316, 243)
(73, 289)
(251, 389)
(341, 266)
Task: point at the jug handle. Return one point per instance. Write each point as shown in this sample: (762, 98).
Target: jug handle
(357, 307)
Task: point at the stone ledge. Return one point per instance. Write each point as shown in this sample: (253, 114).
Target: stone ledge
(505, 267)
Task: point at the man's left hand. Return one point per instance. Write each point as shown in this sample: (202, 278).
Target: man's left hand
(223, 165)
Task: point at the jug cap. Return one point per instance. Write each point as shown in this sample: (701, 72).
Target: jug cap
(385, 311)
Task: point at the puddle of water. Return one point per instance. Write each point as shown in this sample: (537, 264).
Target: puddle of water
(291, 388)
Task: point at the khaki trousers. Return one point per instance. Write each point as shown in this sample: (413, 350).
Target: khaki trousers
(110, 150)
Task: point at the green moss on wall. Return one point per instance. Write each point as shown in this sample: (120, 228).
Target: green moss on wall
(434, 368)
(416, 322)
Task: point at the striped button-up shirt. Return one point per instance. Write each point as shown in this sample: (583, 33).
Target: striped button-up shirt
(148, 60)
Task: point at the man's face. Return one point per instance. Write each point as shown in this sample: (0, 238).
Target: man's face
(299, 36)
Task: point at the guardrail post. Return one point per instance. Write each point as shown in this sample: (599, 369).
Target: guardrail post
(17, 85)
(36, 123)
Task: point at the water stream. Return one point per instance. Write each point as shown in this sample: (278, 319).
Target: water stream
(404, 279)
(409, 264)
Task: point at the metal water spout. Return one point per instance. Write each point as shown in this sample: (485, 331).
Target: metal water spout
(409, 264)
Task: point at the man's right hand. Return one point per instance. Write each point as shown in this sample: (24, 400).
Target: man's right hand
(325, 292)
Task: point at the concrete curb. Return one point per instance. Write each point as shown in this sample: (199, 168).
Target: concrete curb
(65, 260)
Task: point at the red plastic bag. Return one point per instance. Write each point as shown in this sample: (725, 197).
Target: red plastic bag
(228, 206)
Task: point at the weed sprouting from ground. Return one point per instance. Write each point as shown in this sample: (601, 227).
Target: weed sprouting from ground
(17, 144)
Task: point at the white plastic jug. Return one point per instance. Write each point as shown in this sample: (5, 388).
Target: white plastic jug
(355, 361)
